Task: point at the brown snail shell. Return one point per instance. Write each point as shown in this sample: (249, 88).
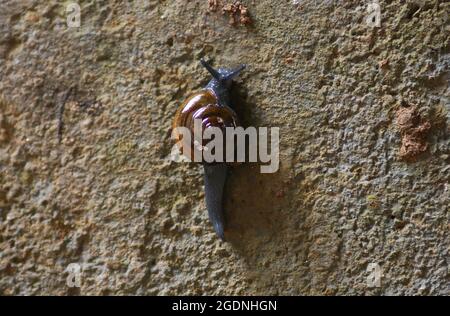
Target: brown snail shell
(205, 107)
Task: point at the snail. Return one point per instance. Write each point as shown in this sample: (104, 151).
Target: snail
(213, 107)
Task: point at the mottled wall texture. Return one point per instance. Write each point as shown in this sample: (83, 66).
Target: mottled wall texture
(360, 204)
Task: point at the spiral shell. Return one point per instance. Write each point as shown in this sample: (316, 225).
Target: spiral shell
(205, 107)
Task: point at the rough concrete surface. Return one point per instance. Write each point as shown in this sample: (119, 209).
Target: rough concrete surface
(98, 190)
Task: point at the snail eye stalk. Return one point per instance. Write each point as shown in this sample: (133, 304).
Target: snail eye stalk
(211, 70)
(234, 73)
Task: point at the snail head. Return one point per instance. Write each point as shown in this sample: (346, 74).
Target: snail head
(223, 76)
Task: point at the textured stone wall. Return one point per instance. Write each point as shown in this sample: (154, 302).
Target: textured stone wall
(85, 119)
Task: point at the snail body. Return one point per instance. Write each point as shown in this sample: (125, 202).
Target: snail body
(213, 108)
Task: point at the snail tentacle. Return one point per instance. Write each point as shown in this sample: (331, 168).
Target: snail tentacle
(216, 75)
(234, 73)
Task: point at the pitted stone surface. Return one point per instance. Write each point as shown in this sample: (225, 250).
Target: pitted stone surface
(108, 198)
